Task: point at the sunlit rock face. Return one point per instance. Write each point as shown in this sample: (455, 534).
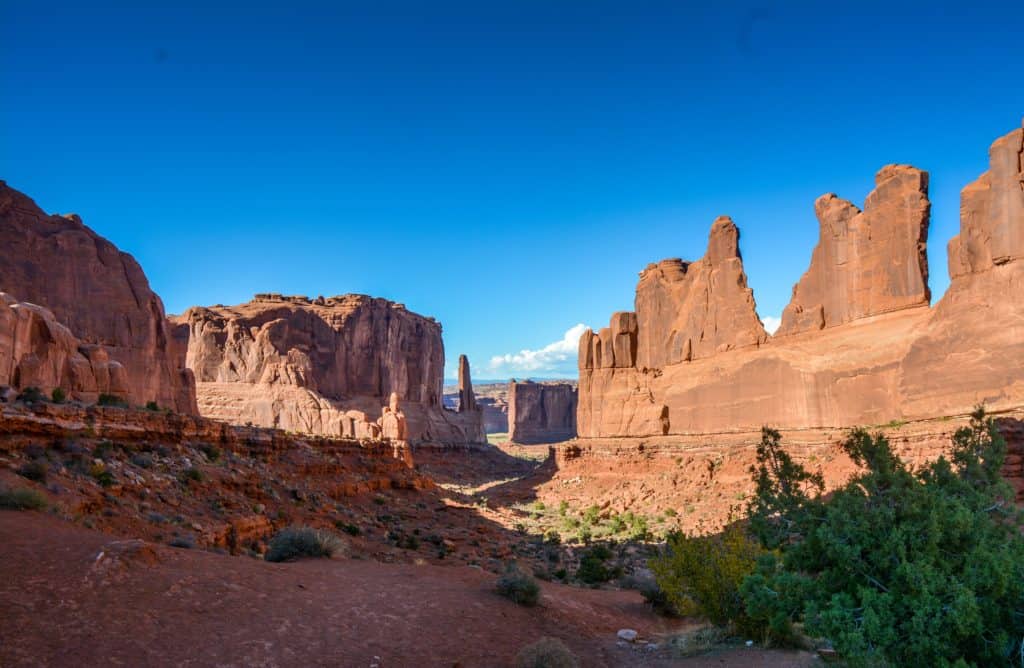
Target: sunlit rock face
(322, 365)
(859, 343)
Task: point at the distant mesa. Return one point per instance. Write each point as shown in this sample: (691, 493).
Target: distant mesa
(322, 366)
(541, 412)
(858, 342)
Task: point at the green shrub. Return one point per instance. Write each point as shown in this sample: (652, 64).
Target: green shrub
(297, 542)
(702, 575)
(518, 586)
(21, 498)
(58, 396)
(658, 599)
(104, 450)
(616, 524)
(350, 529)
(211, 451)
(546, 653)
(35, 470)
(152, 406)
(592, 569)
(897, 567)
(191, 474)
(405, 541)
(636, 526)
(102, 475)
(111, 400)
(30, 395)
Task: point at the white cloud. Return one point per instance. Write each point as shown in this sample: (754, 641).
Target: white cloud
(555, 358)
(771, 323)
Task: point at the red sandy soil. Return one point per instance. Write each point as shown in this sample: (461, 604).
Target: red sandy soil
(73, 596)
(94, 581)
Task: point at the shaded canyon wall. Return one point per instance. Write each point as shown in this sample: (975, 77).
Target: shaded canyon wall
(99, 296)
(541, 412)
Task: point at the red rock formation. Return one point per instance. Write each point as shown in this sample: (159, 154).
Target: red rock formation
(690, 310)
(541, 412)
(491, 399)
(37, 351)
(991, 210)
(321, 366)
(467, 400)
(98, 292)
(883, 355)
(869, 262)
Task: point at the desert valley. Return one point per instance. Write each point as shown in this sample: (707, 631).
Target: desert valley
(167, 479)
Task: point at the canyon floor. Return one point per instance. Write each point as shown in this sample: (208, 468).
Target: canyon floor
(102, 577)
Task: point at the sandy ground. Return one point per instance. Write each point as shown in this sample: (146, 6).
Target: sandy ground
(76, 597)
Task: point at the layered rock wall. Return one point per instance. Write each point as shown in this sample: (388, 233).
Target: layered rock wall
(97, 292)
(858, 345)
(541, 412)
(321, 366)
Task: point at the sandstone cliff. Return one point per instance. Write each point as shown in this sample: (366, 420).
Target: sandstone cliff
(541, 412)
(97, 292)
(322, 366)
(859, 344)
(866, 262)
(37, 351)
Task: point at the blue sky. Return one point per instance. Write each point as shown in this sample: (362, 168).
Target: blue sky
(505, 167)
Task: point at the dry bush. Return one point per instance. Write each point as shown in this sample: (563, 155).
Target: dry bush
(297, 542)
(546, 653)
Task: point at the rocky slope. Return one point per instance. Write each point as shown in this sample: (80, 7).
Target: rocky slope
(859, 343)
(95, 291)
(321, 366)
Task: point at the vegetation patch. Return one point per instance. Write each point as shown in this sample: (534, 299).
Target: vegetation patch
(899, 566)
(593, 568)
(111, 400)
(298, 542)
(35, 470)
(546, 653)
(22, 498)
(31, 395)
(518, 586)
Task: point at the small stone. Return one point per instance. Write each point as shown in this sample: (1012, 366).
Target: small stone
(629, 635)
